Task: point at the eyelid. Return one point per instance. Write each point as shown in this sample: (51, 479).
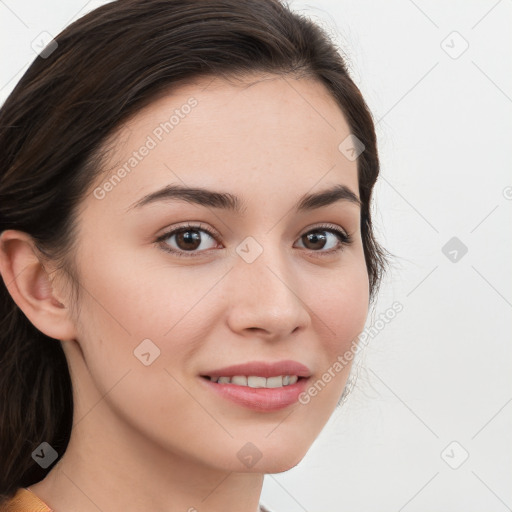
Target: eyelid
(346, 240)
(326, 226)
(192, 225)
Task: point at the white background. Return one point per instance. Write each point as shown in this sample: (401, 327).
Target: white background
(441, 370)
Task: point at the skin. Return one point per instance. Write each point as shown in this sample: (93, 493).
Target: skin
(153, 433)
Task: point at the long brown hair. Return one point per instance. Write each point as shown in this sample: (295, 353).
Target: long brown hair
(104, 68)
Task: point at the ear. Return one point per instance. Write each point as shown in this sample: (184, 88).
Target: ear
(31, 288)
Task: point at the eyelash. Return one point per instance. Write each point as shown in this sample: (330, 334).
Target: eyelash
(344, 238)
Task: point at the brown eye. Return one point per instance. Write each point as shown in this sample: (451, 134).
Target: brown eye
(318, 239)
(315, 240)
(187, 240)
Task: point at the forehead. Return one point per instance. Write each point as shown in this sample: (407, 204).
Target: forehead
(266, 133)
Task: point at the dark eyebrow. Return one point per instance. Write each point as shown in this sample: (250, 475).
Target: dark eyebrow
(227, 201)
(328, 197)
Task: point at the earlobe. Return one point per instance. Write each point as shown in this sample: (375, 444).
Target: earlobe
(31, 288)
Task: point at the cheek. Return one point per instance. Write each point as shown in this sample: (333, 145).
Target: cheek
(342, 307)
(137, 297)
(340, 313)
(125, 301)
(128, 304)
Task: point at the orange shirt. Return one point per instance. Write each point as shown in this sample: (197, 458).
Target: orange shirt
(25, 501)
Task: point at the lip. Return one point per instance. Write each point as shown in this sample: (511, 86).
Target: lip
(262, 369)
(260, 399)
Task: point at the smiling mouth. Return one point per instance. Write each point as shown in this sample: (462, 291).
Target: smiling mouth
(256, 381)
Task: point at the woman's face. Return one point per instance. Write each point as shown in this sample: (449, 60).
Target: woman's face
(269, 284)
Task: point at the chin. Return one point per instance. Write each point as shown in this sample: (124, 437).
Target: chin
(281, 468)
(281, 460)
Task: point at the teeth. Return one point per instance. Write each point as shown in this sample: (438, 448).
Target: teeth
(277, 382)
(253, 381)
(256, 382)
(239, 380)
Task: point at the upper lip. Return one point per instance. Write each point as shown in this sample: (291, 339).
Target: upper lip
(262, 369)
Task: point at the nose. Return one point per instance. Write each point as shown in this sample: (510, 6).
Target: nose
(265, 297)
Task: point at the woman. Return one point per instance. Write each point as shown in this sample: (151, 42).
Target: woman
(186, 251)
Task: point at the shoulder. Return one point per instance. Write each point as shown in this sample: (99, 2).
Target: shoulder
(25, 501)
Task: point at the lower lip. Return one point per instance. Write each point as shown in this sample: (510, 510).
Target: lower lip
(259, 399)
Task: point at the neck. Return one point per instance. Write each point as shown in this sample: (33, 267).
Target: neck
(99, 473)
